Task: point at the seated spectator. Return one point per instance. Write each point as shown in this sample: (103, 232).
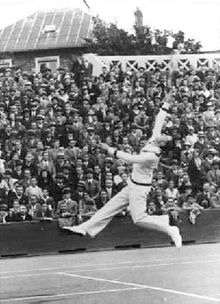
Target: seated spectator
(65, 217)
(71, 205)
(110, 189)
(45, 198)
(46, 164)
(43, 212)
(33, 189)
(14, 211)
(186, 154)
(102, 199)
(45, 180)
(171, 191)
(29, 164)
(152, 209)
(209, 156)
(8, 183)
(17, 194)
(171, 207)
(92, 186)
(193, 208)
(123, 183)
(17, 173)
(161, 181)
(87, 208)
(3, 212)
(33, 205)
(23, 216)
(213, 175)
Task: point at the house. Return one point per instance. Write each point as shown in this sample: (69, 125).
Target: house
(49, 38)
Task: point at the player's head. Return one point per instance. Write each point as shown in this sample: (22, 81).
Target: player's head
(157, 143)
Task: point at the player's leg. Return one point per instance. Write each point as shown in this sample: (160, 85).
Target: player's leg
(137, 204)
(103, 216)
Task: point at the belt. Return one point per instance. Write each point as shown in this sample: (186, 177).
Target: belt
(140, 184)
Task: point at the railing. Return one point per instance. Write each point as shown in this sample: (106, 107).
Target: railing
(43, 237)
(166, 62)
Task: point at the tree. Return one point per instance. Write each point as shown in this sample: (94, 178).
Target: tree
(111, 40)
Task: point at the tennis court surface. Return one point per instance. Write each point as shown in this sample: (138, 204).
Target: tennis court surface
(156, 275)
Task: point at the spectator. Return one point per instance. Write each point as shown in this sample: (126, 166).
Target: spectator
(3, 213)
(193, 208)
(92, 186)
(33, 189)
(44, 212)
(17, 194)
(24, 216)
(71, 205)
(171, 191)
(203, 198)
(87, 207)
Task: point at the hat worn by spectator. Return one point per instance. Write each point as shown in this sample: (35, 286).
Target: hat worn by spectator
(212, 151)
(81, 184)
(3, 207)
(8, 172)
(175, 162)
(187, 143)
(108, 160)
(201, 134)
(18, 162)
(215, 162)
(89, 171)
(66, 190)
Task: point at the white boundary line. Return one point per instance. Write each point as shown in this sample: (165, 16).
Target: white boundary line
(62, 295)
(106, 264)
(187, 294)
(115, 268)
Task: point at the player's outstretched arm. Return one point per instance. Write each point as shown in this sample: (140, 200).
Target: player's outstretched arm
(131, 158)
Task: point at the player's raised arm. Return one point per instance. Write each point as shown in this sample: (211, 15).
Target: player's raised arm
(160, 119)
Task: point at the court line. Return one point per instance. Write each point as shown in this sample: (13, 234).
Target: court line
(143, 286)
(115, 268)
(101, 264)
(71, 294)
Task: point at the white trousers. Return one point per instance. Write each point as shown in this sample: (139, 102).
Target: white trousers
(135, 196)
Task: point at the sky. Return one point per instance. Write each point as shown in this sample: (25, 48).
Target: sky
(199, 19)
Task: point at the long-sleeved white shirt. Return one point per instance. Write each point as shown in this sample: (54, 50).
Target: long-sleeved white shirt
(148, 159)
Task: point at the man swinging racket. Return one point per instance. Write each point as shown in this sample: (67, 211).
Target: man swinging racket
(136, 192)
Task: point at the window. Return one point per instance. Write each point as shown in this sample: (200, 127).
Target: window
(52, 62)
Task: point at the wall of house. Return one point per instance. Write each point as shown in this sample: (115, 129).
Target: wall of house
(26, 60)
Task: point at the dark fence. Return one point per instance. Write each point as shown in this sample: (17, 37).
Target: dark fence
(41, 237)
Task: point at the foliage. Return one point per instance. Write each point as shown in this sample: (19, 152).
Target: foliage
(111, 40)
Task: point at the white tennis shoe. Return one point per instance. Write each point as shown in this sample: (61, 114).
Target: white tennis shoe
(75, 230)
(175, 236)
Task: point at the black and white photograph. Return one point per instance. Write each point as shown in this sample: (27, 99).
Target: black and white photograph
(109, 152)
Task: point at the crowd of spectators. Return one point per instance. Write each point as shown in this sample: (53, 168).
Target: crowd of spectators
(51, 123)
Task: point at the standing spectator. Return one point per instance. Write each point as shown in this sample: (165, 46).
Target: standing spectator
(203, 198)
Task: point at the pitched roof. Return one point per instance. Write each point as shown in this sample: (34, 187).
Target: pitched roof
(47, 30)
